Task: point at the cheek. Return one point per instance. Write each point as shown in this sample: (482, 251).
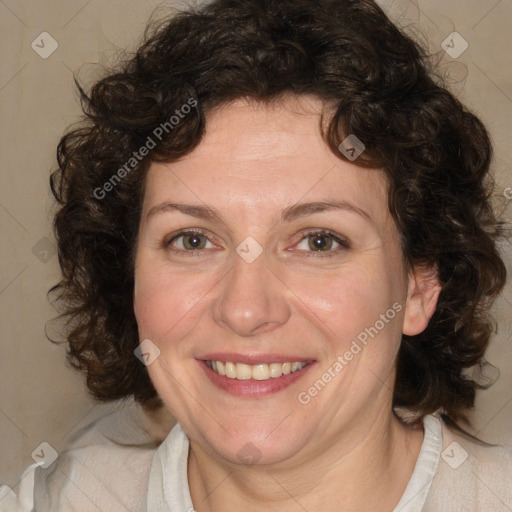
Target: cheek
(347, 298)
(165, 301)
(347, 305)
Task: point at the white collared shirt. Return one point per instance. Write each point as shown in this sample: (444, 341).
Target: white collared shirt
(116, 464)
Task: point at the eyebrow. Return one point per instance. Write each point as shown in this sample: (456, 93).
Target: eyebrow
(289, 214)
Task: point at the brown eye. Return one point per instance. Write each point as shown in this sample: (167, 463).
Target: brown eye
(194, 241)
(188, 241)
(320, 242)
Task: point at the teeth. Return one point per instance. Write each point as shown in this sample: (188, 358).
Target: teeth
(275, 369)
(230, 369)
(243, 371)
(260, 372)
(257, 372)
(220, 368)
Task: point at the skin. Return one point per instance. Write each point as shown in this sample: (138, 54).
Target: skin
(344, 450)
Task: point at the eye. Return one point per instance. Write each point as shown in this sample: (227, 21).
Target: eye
(188, 241)
(322, 241)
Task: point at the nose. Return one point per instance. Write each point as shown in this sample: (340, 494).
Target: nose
(252, 299)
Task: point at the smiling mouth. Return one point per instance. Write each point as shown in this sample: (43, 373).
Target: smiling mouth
(265, 371)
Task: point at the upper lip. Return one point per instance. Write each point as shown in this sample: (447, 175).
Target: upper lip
(252, 359)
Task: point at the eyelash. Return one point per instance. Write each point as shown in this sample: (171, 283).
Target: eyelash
(343, 243)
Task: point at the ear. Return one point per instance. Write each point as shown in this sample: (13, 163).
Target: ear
(422, 293)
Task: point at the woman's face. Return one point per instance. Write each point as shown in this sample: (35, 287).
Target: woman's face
(262, 247)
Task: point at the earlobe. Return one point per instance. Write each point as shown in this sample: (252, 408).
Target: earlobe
(422, 295)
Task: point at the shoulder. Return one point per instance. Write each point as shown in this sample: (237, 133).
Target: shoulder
(105, 465)
(471, 476)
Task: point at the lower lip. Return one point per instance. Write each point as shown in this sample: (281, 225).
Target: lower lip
(252, 388)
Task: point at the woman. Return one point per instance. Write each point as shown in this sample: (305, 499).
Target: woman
(275, 225)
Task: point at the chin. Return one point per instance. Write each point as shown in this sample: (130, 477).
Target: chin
(250, 445)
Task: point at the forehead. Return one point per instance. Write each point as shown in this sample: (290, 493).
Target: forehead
(265, 157)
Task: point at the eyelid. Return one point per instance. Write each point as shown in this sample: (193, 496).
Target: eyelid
(166, 242)
(340, 239)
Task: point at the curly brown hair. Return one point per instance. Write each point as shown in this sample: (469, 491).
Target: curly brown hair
(378, 84)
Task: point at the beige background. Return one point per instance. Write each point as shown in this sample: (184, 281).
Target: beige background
(41, 399)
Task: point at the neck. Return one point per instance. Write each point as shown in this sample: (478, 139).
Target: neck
(366, 469)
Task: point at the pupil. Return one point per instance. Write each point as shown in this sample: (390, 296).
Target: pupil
(319, 242)
(194, 241)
